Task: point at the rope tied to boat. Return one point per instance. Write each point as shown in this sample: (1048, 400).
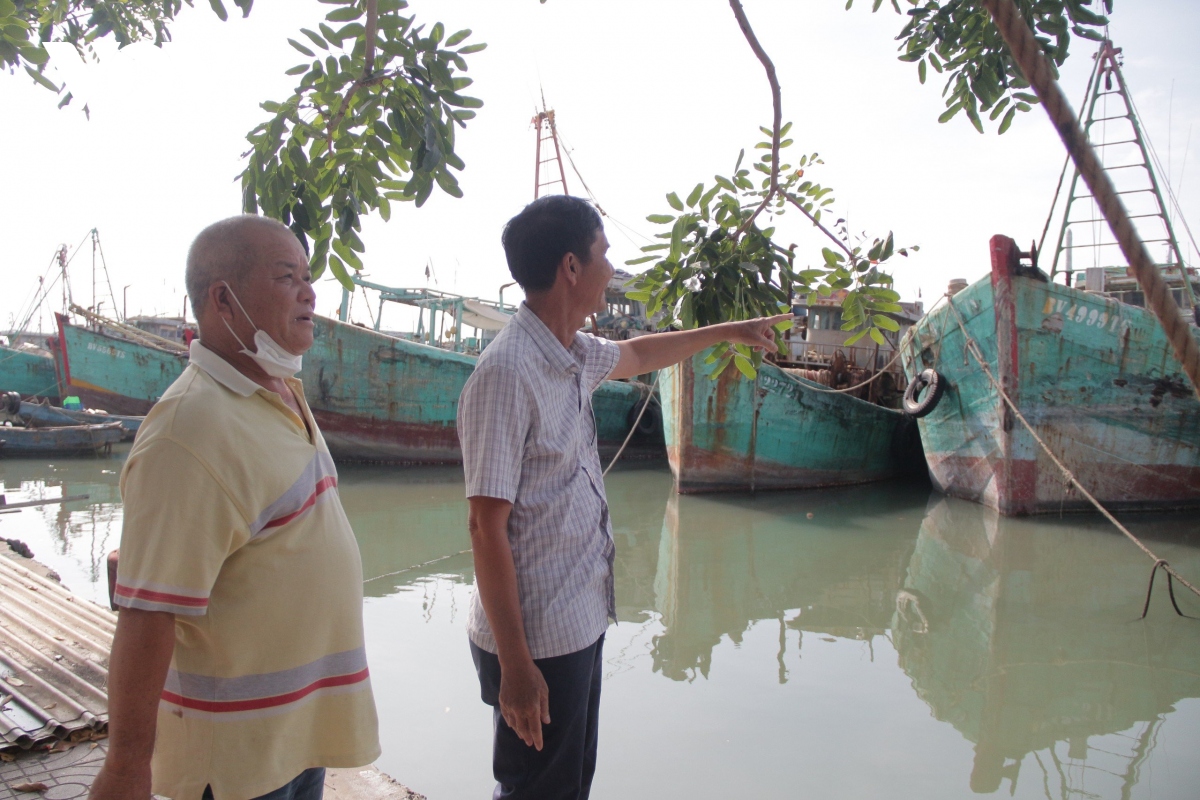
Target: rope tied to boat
(633, 428)
(1040, 74)
(977, 354)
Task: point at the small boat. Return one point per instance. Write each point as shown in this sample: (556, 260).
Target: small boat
(70, 440)
(41, 415)
(778, 431)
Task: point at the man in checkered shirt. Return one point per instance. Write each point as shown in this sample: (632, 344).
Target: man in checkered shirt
(539, 520)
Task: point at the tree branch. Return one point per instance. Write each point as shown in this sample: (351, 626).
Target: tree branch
(776, 101)
(370, 33)
(813, 219)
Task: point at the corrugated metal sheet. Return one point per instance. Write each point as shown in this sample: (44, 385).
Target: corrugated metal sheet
(53, 661)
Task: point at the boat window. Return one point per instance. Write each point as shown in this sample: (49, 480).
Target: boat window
(825, 319)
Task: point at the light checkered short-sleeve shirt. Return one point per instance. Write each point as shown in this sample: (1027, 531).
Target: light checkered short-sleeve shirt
(529, 437)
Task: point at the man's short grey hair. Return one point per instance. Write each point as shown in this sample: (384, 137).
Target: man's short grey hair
(225, 251)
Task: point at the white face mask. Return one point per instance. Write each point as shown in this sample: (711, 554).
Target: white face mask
(274, 360)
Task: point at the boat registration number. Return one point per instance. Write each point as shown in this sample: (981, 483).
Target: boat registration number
(108, 351)
(1082, 315)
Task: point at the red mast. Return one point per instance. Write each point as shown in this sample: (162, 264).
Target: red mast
(544, 129)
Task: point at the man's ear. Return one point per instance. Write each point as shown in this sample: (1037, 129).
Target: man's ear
(569, 268)
(218, 299)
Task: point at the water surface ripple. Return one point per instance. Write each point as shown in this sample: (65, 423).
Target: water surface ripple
(878, 641)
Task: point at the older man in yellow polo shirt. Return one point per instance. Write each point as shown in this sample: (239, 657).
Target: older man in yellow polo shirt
(238, 668)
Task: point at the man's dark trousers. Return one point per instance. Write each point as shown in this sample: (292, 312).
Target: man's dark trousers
(564, 767)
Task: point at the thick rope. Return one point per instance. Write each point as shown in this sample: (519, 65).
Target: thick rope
(816, 387)
(1040, 74)
(973, 347)
(633, 428)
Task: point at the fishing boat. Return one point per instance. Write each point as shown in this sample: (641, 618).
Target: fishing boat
(117, 367)
(382, 398)
(778, 431)
(42, 414)
(28, 370)
(1085, 365)
(378, 398)
(72, 440)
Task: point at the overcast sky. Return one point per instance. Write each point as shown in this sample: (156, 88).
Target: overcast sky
(651, 97)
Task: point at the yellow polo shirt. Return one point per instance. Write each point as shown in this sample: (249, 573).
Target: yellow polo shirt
(233, 524)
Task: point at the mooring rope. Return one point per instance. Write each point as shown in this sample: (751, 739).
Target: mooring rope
(633, 428)
(1040, 74)
(417, 566)
(973, 348)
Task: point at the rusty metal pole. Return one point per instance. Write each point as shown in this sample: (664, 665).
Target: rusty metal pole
(1040, 74)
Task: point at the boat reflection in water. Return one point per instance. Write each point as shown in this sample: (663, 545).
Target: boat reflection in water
(1025, 638)
(823, 563)
(71, 538)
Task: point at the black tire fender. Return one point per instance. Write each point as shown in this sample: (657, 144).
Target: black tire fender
(918, 405)
(650, 424)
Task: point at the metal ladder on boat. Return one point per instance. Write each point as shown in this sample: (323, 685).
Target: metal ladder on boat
(543, 124)
(1111, 124)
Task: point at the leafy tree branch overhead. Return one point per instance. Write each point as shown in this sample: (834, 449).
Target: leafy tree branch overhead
(716, 264)
(957, 38)
(371, 121)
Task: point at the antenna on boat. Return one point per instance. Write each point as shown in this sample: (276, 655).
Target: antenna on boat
(1129, 160)
(544, 130)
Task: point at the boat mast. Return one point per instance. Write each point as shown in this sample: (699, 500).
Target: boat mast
(545, 131)
(1133, 174)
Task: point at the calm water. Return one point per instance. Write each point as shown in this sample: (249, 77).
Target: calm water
(892, 644)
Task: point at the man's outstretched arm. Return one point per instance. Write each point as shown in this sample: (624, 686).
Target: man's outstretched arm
(137, 670)
(524, 696)
(656, 351)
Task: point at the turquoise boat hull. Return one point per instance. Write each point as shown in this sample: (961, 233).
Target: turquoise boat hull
(1095, 378)
(377, 398)
(114, 374)
(382, 399)
(30, 374)
(776, 432)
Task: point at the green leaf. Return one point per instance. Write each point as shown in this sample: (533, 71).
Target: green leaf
(660, 219)
(42, 79)
(716, 373)
(949, 113)
(301, 48)
(1007, 121)
(346, 14)
(921, 71)
(458, 37)
(878, 337)
(219, 8)
(694, 197)
(472, 48)
(887, 323)
(855, 337)
(674, 201)
(744, 366)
